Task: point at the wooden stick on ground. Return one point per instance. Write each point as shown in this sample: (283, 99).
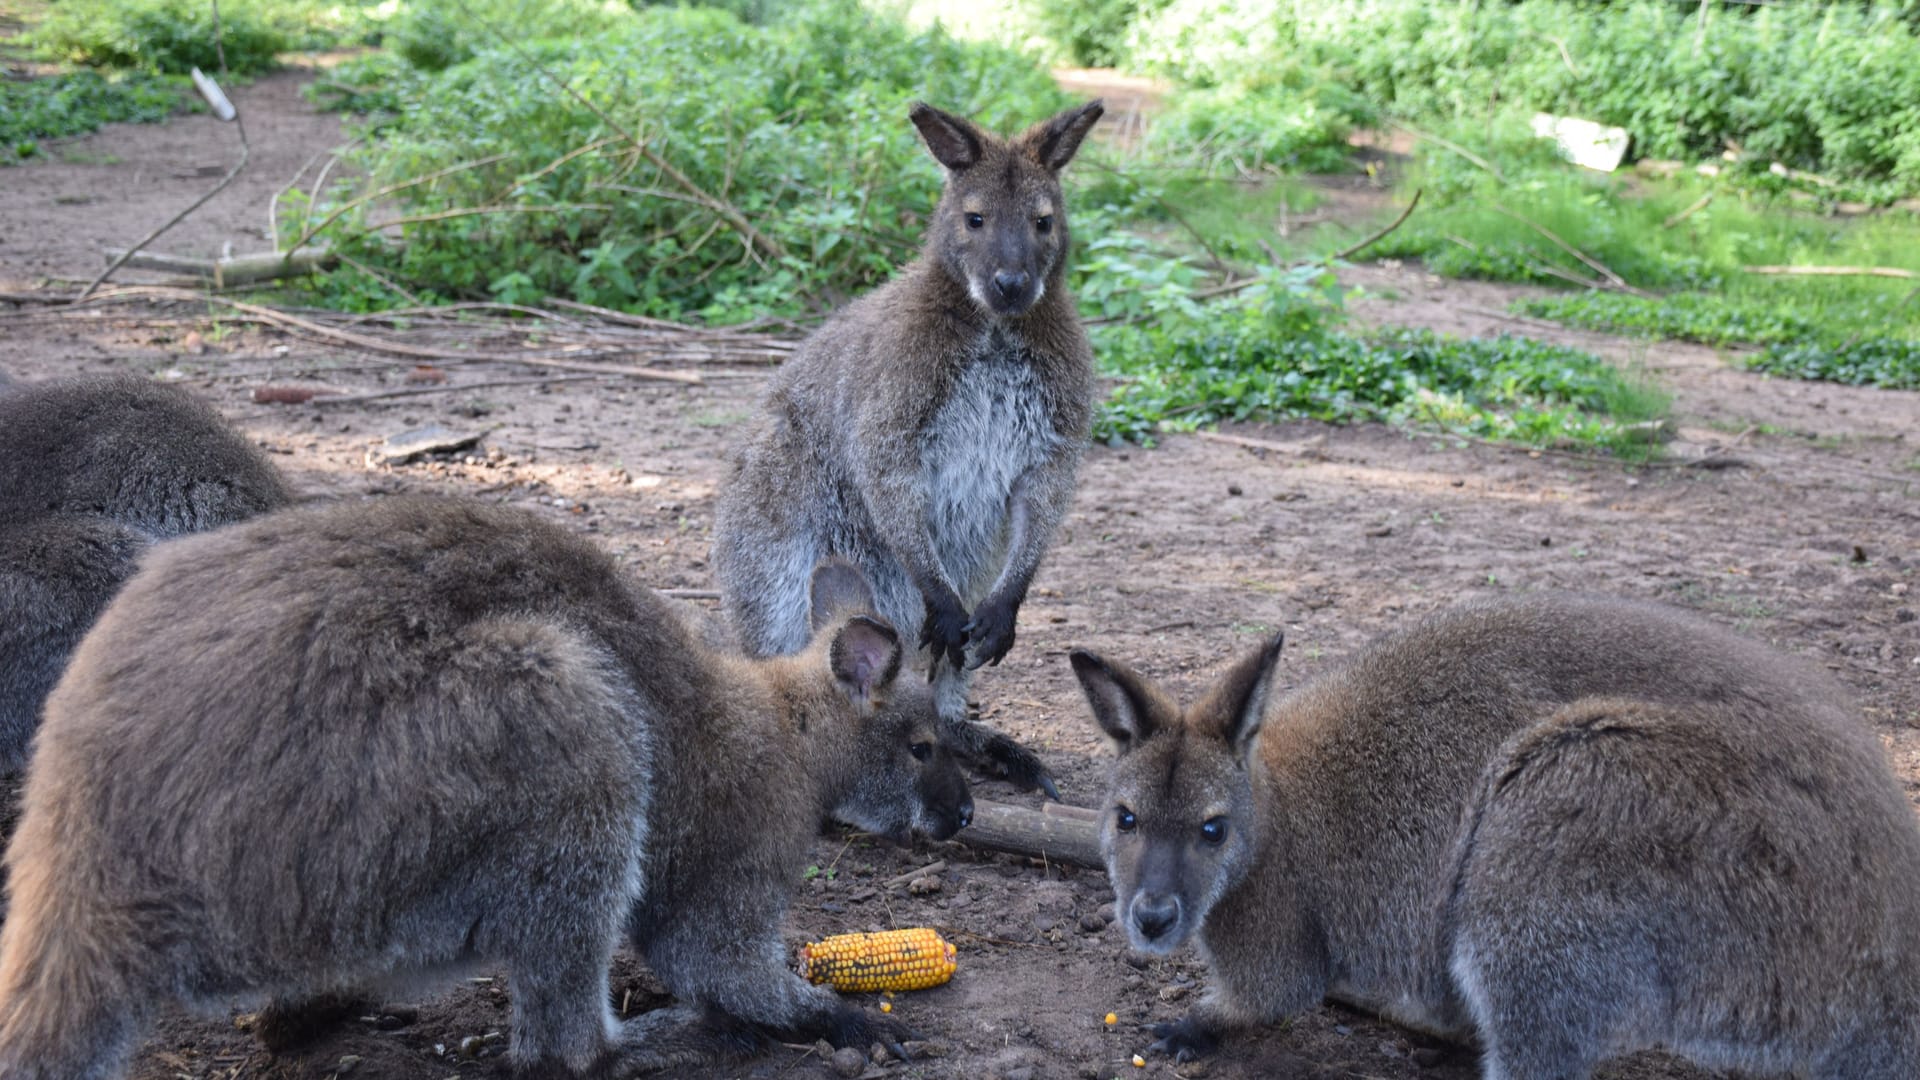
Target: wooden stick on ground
(1593, 264)
(1060, 836)
(1834, 271)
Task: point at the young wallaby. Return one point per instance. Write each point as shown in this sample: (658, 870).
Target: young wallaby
(92, 469)
(931, 430)
(341, 745)
(1571, 827)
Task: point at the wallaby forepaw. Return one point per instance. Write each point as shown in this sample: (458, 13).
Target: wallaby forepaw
(1184, 1040)
(860, 1029)
(945, 633)
(1021, 766)
(990, 634)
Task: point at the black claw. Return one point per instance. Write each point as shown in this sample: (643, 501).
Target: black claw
(1046, 786)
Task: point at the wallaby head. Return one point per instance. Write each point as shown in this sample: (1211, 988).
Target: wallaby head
(1182, 825)
(1001, 226)
(906, 778)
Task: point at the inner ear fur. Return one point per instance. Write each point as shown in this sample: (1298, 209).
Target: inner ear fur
(1054, 141)
(1236, 707)
(1124, 704)
(865, 658)
(954, 142)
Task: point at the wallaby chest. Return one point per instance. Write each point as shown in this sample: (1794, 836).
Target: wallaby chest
(996, 423)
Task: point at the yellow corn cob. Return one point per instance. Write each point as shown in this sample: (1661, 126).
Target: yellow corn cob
(912, 959)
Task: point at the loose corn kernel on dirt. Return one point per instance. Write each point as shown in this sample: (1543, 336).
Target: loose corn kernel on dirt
(1139, 1062)
(912, 959)
(1112, 1019)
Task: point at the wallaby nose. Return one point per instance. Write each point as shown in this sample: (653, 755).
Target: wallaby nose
(1155, 915)
(1010, 286)
(966, 812)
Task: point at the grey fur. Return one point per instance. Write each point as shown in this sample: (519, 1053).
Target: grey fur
(345, 745)
(93, 469)
(930, 431)
(1574, 827)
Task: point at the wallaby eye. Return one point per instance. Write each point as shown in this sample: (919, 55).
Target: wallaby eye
(975, 221)
(1124, 819)
(921, 751)
(1215, 830)
(1044, 224)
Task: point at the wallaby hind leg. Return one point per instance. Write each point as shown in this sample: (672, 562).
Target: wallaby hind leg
(562, 1018)
(684, 1037)
(1528, 1031)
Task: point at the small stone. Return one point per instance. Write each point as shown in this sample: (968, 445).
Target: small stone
(1459, 483)
(347, 1063)
(1898, 588)
(861, 896)
(1136, 959)
(924, 886)
(470, 1046)
(849, 1062)
(1342, 1029)
(1234, 489)
(1092, 923)
(1108, 912)
(878, 1054)
(917, 1049)
(1172, 993)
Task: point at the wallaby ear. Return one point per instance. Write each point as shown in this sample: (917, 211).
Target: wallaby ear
(954, 142)
(865, 657)
(1237, 705)
(1121, 705)
(1053, 142)
(838, 588)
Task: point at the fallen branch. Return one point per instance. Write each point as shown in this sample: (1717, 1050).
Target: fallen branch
(1059, 837)
(1592, 263)
(1835, 271)
(309, 233)
(907, 878)
(246, 151)
(415, 391)
(1455, 147)
(1304, 446)
(1698, 205)
(234, 269)
(1348, 253)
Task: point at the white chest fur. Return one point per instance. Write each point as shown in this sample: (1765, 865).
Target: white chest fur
(995, 425)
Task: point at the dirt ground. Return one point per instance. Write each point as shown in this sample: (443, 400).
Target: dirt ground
(1807, 535)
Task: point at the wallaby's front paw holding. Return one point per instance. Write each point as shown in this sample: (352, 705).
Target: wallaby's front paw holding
(945, 632)
(1185, 1039)
(991, 632)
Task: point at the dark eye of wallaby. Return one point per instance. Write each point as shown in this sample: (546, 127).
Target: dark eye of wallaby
(975, 221)
(1044, 224)
(1124, 818)
(1215, 830)
(921, 751)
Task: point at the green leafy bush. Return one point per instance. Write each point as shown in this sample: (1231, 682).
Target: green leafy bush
(801, 124)
(1831, 88)
(73, 104)
(1710, 318)
(174, 36)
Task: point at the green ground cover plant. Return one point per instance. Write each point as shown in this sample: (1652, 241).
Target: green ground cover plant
(59, 106)
(1276, 348)
(174, 36)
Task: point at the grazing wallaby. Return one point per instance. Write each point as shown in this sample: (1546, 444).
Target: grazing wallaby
(1571, 827)
(345, 744)
(931, 430)
(92, 469)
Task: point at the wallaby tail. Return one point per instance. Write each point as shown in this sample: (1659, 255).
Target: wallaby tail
(68, 1008)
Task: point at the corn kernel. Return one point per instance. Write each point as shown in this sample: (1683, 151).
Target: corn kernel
(1111, 1019)
(886, 1006)
(1139, 1062)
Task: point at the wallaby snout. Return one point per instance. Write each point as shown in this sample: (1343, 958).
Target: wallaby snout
(1151, 916)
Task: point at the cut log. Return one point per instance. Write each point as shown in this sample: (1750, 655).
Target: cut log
(1061, 835)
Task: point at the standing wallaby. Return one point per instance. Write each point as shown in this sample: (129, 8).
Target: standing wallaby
(93, 469)
(1572, 827)
(346, 744)
(930, 432)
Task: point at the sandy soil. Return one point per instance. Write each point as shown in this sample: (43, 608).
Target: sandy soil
(1175, 559)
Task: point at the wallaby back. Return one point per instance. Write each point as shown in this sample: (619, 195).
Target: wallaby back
(344, 744)
(1381, 819)
(929, 432)
(92, 469)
